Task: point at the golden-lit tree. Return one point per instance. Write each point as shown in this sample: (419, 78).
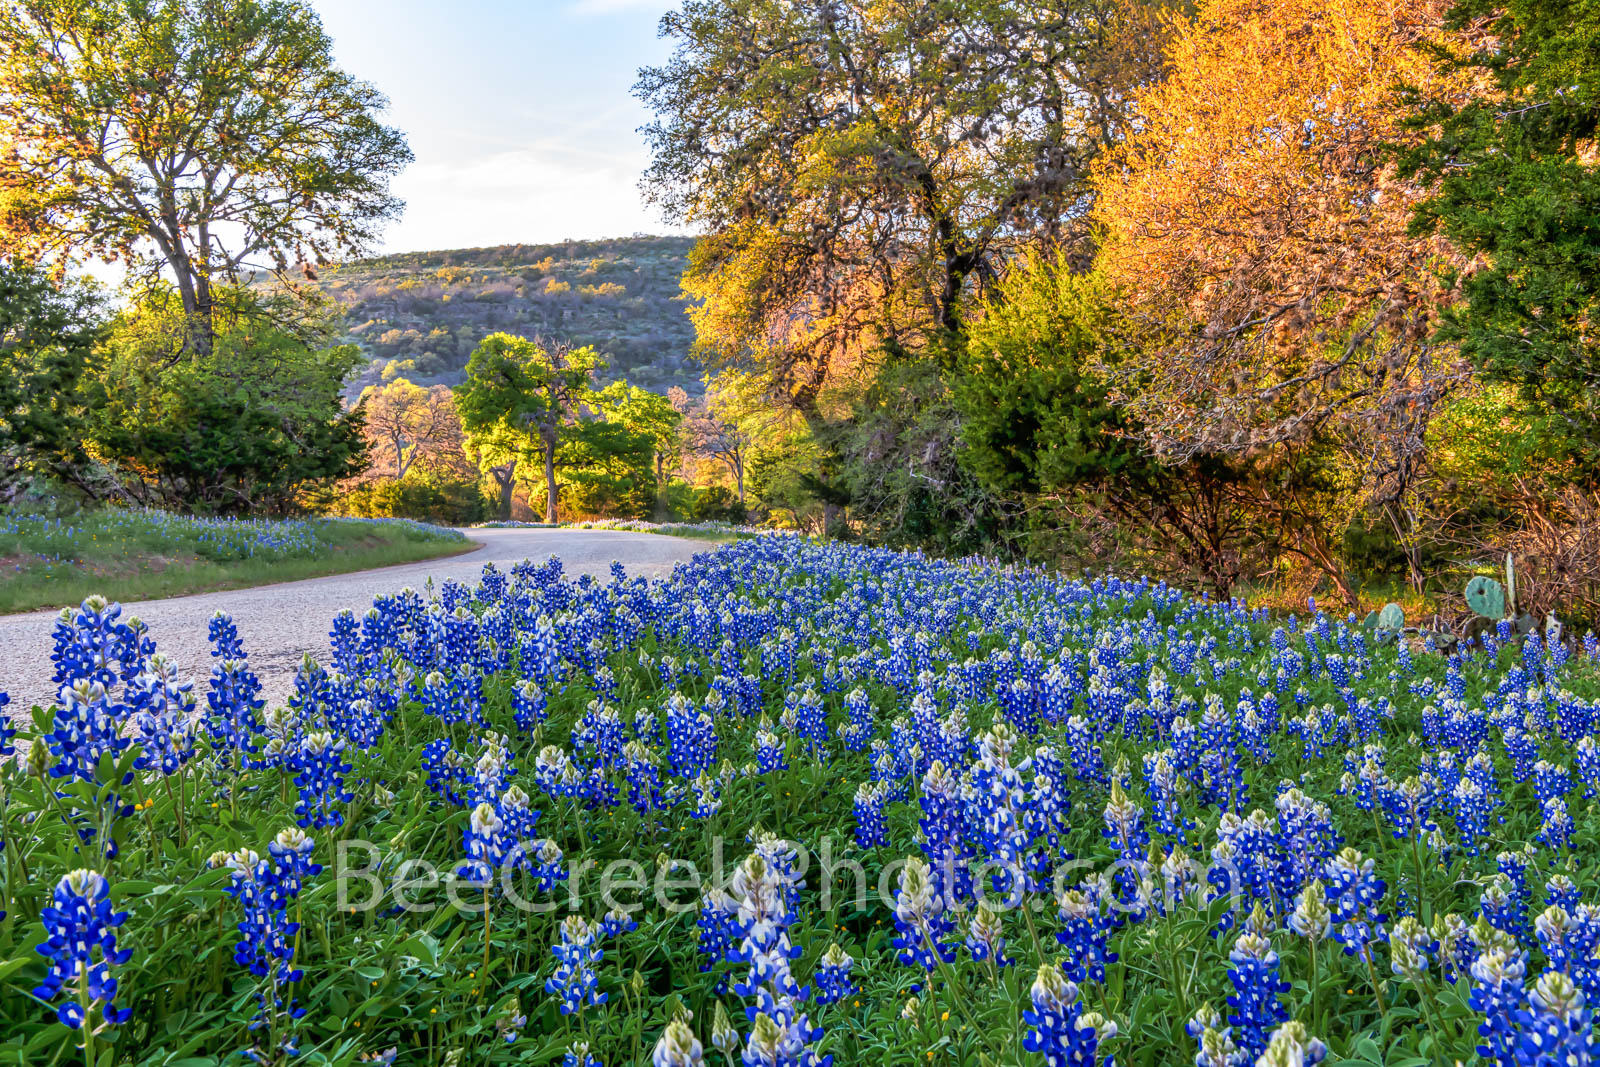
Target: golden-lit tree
(861, 170)
(407, 422)
(1258, 231)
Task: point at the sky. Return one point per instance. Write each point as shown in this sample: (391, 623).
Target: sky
(519, 113)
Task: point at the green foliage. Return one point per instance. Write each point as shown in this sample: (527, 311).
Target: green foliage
(1517, 186)
(900, 465)
(47, 337)
(716, 503)
(188, 141)
(424, 493)
(649, 415)
(1035, 417)
(244, 429)
(521, 400)
(608, 470)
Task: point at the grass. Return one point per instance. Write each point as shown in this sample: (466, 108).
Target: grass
(142, 555)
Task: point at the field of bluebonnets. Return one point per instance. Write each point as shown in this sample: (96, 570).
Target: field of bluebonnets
(1110, 822)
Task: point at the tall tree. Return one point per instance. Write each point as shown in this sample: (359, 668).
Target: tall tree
(200, 138)
(1258, 229)
(860, 169)
(1517, 190)
(530, 393)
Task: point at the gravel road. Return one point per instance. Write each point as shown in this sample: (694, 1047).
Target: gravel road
(281, 623)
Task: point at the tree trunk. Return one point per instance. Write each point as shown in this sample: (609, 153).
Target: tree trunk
(551, 489)
(505, 476)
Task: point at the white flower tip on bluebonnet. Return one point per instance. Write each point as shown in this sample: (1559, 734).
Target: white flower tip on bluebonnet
(1557, 995)
(724, 1038)
(1498, 965)
(294, 839)
(486, 822)
(912, 1008)
(1051, 989)
(678, 1047)
(837, 958)
(1312, 917)
(83, 882)
(1291, 1046)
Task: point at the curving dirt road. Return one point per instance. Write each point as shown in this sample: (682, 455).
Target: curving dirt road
(281, 623)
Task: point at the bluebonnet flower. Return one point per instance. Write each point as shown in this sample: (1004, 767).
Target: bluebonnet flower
(1471, 807)
(1085, 934)
(575, 980)
(707, 796)
(81, 945)
(510, 1022)
(1125, 830)
(833, 976)
(1058, 1027)
(87, 726)
(921, 919)
(1354, 892)
(761, 914)
(1497, 995)
(555, 773)
(782, 1036)
(321, 766)
(857, 733)
(1557, 1027)
(528, 705)
(1411, 948)
(677, 1047)
(644, 778)
(1291, 1046)
(233, 701)
(986, 936)
(769, 749)
(545, 864)
(615, 923)
(1556, 829)
(445, 768)
(719, 928)
(487, 845)
(871, 829)
(1257, 1010)
(578, 1055)
(91, 645)
(1215, 1040)
(161, 713)
(7, 731)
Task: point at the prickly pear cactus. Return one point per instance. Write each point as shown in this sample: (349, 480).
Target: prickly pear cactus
(1487, 598)
(1392, 617)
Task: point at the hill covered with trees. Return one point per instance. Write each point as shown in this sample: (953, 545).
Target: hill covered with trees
(425, 312)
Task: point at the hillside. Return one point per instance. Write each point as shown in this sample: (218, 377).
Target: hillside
(426, 311)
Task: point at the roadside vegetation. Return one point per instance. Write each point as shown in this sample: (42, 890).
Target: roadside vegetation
(139, 555)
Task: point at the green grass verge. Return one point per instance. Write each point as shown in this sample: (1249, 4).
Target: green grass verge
(131, 555)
